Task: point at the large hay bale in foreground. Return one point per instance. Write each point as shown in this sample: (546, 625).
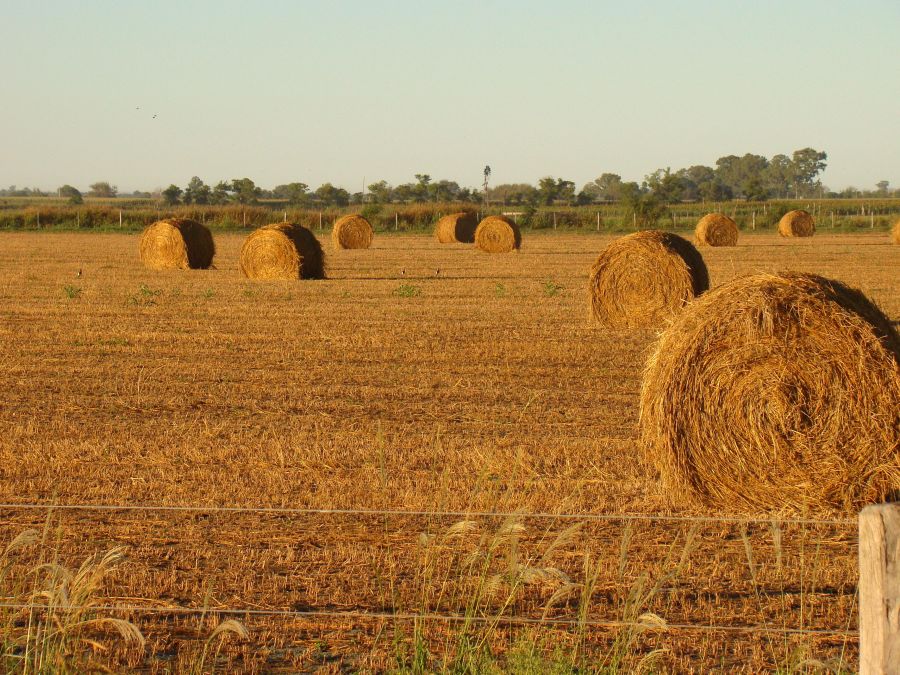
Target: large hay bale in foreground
(641, 279)
(282, 251)
(716, 229)
(177, 243)
(895, 233)
(497, 234)
(352, 231)
(456, 228)
(797, 223)
(776, 392)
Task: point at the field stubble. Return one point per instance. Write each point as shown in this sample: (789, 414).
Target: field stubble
(484, 390)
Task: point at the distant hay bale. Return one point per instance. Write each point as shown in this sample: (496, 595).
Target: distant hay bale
(895, 233)
(456, 227)
(352, 231)
(496, 234)
(282, 251)
(796, 224)
(776, 392)
(716, 229)
(641, 279)
(177, 243)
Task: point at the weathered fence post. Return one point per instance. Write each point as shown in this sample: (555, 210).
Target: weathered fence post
(879, 590)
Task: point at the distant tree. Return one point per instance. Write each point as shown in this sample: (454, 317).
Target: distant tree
(551, 190)
(405, 192)
(514, 193)
(72, 194)
(172, 194)
(808, 164)
(421, 187)
(103, 190)
(381, 192)
(244, 191)
(295, 193)
(220, 193)
(641, 208)
(197, 192)
(735, 172)
(779, 176)
(666, 186)
(583, 199)
(695, 180)
(605, 188)
(882, 186)
(443, 191)
(755, 189)
(329, 195)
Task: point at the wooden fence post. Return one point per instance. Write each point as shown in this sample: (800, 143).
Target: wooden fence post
(879, 590)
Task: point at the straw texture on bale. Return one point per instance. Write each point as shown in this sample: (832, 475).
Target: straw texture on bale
(177, 243)
(776, 392)
(797, 224)
(895, 233)
(352, 231)
(641, 279)
(282, 251)
(716, 229)
(456, 228)
(496, 234)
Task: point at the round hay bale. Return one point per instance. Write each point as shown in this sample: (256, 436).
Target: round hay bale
(776, 392)
(496, 234)
(797, 224)
(456, 228)
(352, 231)
(282, 251)
(895, 233)
(716, 229)
(641, 279)
(177, 243)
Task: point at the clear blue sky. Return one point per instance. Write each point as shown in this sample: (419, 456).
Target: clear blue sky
(353, 90)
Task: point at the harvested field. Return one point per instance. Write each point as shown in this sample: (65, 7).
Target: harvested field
(481, 389)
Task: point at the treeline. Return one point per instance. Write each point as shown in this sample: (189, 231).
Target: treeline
(752, 178)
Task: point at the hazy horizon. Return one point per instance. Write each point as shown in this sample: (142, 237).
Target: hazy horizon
(357, 92)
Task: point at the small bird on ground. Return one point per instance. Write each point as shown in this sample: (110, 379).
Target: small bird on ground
(403, 273)
(437, 272)
(78, 273)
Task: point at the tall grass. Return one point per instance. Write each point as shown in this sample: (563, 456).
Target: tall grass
(837, 215)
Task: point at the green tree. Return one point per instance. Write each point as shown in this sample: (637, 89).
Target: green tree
(552, 189)
(641, 208)
(295, 193)
(779, 177)
(808, 164)
(245, 191)
(421, 187)
(443, 191)
(514, 193)
(329, 195)
(882, 186)
(666, 186)
(736, 172)
(103, 190)
(71, 193)
(221, 193)
(197, 192)
(381, 192)
(605, 188)
(172, 194)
